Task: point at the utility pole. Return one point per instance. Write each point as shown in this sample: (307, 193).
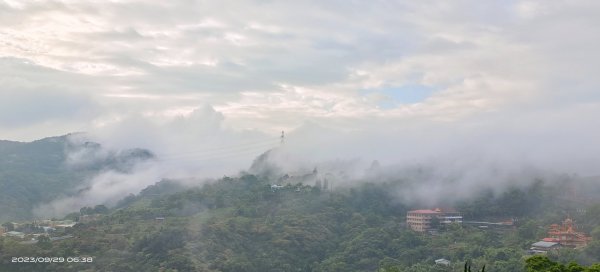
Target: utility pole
(282, 137)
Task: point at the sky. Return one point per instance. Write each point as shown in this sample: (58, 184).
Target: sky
(394, 80)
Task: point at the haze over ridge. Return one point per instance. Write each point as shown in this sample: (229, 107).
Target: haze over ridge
(467, 85)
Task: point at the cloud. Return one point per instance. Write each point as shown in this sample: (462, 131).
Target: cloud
(509, 81)
(192, 144)
(34, 95)
(192, 147)
(477, 56)
(105, 188)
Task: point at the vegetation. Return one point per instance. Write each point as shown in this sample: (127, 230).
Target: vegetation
(543, 263)
(242, 224)
(245, 224)
(38, 172)
(468, 267)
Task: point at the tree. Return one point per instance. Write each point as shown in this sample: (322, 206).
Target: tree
(468, 267)
(8, 226)
(44, 242)
(318, 184)
(542, 263)
(101, 209)
(179, 262)
(86, 210)
(435, 222)
(528, 231)
(593, 249)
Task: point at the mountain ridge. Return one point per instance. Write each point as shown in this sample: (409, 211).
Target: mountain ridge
(36, 172)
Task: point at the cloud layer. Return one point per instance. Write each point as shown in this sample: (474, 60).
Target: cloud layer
(396, 80)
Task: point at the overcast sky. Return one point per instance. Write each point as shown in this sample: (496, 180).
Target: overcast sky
(490, 72)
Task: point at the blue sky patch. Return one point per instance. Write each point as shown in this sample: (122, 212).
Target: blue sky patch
(406, 94)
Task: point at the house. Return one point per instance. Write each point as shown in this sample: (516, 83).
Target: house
(542, 247)
(28, 242)
(48, 229)
(15, 234)
(64, 226)
(442, 262)
(503, 225)
(275, 187)
(15, 225)
(426, 220)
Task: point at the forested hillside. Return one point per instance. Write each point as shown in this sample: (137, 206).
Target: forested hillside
(245, 224)
(38, 172)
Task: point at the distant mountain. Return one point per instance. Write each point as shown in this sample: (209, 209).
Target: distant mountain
(37, 172)
(244, 223)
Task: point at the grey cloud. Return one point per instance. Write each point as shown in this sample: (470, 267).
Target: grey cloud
(29, 107)
(33, 94)
(267, 60)
(506, 76)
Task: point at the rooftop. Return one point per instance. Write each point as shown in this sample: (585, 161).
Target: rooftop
(424, 211)
(544, 244)
(442, 261)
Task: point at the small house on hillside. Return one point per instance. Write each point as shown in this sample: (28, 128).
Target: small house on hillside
(442, 262)
(275, 187)
(15, 234)
(542, 247)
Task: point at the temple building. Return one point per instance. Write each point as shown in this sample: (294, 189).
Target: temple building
(567, 235)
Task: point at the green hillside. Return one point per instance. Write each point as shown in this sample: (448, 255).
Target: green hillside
(247, 223)
(36, 172)
(243, 224)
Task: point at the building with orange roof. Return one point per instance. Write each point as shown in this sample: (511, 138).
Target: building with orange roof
(567, 235)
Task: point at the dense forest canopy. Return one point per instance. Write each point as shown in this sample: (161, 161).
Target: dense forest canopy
(244, 224)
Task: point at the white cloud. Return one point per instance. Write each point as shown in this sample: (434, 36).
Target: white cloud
(270, 66)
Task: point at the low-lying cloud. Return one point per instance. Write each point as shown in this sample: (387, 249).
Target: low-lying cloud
(466, 86)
